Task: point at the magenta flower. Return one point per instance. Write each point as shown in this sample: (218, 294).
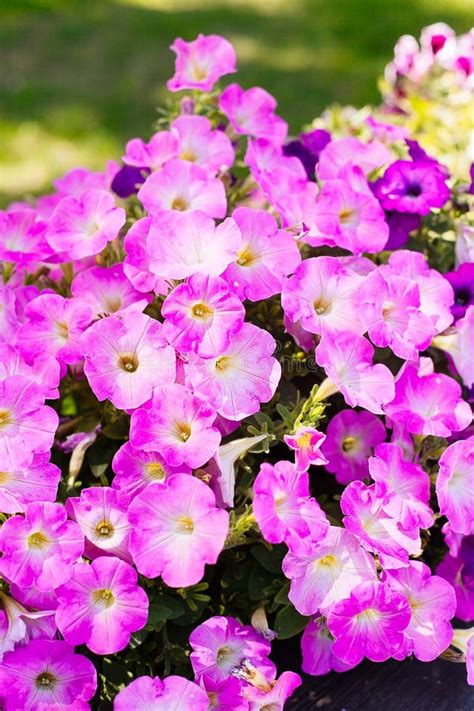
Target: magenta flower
(349, 216)
(53, 325)
(200, 63)
(347, 361)
(462, 281)
(161, 147)
(221, 646)
(182, 186)
(82, 226)
(225, 695)
(107, 291)
(41, 547)
(433, 604)
(317, 650)
(459, 344)
(351, 438)
(306, 443)
(46, 674)
(37, 481)
(181, 245)
(137, 259)
(126, 357)
(242, 377)
(23, 237)
(412, 186)
(101, 605)
(135, 470)
(101, 514)
(390, 305)
(455, 485)
(177, 424)
(282, 505)
(27, 425)
(265, 256)
(320, 295)
(366, 518)
(458, 569)
(428, 403)
(41, 368)
(174, 692)
(252, 113)
(202, 316)
(405, 487)
(369, 623)
(323, 572)
(177, 529)
(276, 697)
(198, 143)
(349, 152)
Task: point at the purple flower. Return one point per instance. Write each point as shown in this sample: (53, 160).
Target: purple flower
(177, 529)
(369, 623)
(307, 148)
(126, 357)
(462, 281)
(101, 605)
(458, 569)
(317, 650)
(41, 547)
(148, 692)
(46, 674)
(412, 186)
(400, 224)
(128, 179)
(350, 439)
(200, 63)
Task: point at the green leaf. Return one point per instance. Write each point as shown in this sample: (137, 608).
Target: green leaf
(269, 558)
(285, 415)
(289, 622)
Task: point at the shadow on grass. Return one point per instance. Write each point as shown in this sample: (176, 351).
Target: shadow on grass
(87, 74)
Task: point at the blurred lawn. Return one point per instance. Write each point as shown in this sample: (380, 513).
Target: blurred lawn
(79, 77)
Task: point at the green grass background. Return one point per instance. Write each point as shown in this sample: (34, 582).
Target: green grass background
(79, 77)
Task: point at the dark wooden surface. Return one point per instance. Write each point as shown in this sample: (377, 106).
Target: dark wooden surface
(393, 686)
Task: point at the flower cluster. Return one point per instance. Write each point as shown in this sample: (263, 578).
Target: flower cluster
(235, 404)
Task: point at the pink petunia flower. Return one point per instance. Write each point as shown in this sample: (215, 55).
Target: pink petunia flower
(53, 325)
(432, 602)
(221, 645)
(174, 692)
(37, 481)
(459, 344)
(200, 63)
(177, 529)
(198, 143)
(405, 487)
(326, 571)
(41, 368)
(347, 361)
(23, 237)
(351, 438)
(107, 291)
(82, 226)
(265, 256)
(244, 375)
(428, 403)
(457, 568)
(177, 424)
(316, 649)
(306, 443)
(369, 623)
(455, 485)
(41, 547)
(252, 113)
(46, 674)
(136, 265)
(320, 296)
(182, 186)
(126, 357)
(366, 518)
(225, 695)
(181, 245)
(135, 470)
(343, 152)
(282, 505)
(101, 605)
(202, 316)
(162, 147)
(27, 425)
(101, 514)
(277, 696)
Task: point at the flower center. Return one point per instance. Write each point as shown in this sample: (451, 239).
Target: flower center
(369, 616)
(202, 312)
(188, 154)
(346, 215)
(224, 654)
(104, 597)
(5, 418)
(327, 560)
(104, 529)
(462, 297)
(128, 362)
(387, 308)
(5, 477)
(322, 306)
(62, 330)
(199, 72)
(113, 304)
(183, 431)
(414, 190)
(155, 471)
(304, 441)
(223, 363)
(46, 680)
(38, 540)
(179, 203)
(246, 257)
(185, 524)
(348, 443)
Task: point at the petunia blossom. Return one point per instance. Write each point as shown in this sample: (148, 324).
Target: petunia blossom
(136, 469)
(252, 112)
(177, 529)
(458, 343)
(317, 650)
(412, 186)
(306, 443)
(201, 62)
(126, 357)
(275, 697)
(348, 152)
(455, 485)
(107, 291)
(101, 605)
(172, 694)
(37, 481)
